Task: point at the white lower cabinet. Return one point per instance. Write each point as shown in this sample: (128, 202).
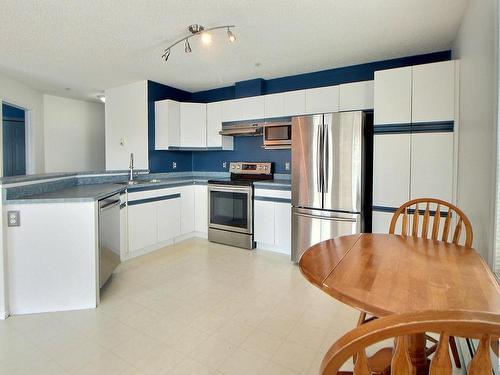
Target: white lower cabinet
(142, 226)
(187, 209)
(283, 226)
(272, 223)
(391, 169)
(381, 222)
(168, 212)
(263, 222)
(201, 208)
(432, 165)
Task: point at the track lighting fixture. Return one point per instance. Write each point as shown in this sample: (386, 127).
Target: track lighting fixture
(206, 38)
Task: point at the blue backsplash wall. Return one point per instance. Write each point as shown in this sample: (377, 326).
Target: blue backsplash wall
(249, 148)
(245, 149)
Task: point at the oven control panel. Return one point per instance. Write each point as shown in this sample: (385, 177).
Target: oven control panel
(250, 168)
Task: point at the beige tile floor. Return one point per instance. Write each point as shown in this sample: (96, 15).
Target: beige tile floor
(192, 308)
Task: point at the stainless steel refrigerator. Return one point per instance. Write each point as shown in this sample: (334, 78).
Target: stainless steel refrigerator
(327, 178)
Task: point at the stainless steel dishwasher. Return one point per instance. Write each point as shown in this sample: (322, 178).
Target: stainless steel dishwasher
(109, 237)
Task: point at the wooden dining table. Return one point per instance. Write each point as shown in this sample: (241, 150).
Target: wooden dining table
(384, 274)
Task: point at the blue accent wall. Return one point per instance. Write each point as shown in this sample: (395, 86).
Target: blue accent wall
(245, 149)
(248, 148)
(161, 161)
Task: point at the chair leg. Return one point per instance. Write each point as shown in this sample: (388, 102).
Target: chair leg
(454, 352)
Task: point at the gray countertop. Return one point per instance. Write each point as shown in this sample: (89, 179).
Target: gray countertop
(79, 193)
(94, 192)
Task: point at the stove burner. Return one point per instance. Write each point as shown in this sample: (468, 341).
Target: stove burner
(245, 174)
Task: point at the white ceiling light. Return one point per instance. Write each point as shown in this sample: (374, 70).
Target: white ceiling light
(206, 38)
(102, 98)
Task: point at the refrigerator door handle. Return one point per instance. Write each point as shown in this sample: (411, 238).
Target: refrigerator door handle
(319, 155)
(326, 158)
(332, 218)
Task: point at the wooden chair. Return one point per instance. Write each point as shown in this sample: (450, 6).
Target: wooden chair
(435, 209)
(478, 325)
(415, 208)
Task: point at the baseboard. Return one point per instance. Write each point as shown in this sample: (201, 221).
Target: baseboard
(273, 248)
(159, 245)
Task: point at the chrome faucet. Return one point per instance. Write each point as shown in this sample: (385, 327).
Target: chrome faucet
(131, 167)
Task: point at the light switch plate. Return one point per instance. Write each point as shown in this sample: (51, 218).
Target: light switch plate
(224, 164)
(287, 166)
(174, 165)
(13, 218)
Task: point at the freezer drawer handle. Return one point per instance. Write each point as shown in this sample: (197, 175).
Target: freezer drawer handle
(326, 218)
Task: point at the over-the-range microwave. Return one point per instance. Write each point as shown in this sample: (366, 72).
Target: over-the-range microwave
(277, 135)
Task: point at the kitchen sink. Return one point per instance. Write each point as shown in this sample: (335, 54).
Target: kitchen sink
(139, 182)
(134, 182)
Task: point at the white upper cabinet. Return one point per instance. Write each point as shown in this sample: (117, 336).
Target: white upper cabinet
(290, 103)
(433, 97)
(126, 126)
(356, 96)
(243, 109)
(322, 99)
(392, 96)
(193, 124)
(167, 124)
(214, 126)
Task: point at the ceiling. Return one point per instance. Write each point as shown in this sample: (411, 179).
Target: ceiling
(82, 47)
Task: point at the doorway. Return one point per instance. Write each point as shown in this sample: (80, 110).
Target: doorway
(14, 140)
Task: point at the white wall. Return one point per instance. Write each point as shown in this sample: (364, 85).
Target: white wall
(127, 126)
(476, 48)
(74, 135)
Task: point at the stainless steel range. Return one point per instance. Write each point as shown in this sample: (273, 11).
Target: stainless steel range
(230, 204)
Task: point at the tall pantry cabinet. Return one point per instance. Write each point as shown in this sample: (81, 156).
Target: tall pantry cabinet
(415, 127)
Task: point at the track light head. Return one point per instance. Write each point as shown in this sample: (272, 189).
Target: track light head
(166, 54)
(187, 46)
(230, 35)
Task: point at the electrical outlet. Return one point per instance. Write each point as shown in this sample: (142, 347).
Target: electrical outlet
(14, 218)
(174, 165)
(287, 166)
(224, 164)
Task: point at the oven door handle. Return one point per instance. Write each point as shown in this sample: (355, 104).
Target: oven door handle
(232, 188)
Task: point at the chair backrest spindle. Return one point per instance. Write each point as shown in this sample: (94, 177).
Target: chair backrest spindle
(462, 223)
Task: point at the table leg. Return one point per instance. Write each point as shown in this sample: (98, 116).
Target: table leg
(416, 350)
